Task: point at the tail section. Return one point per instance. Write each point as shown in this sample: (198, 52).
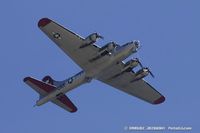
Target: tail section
(41, 87)
(47, 90)
(49, 80)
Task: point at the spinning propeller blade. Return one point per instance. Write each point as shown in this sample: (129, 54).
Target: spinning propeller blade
(152, 75)
(139, 62)
(99, 36)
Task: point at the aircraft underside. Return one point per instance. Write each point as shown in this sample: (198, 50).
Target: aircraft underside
(104, 64)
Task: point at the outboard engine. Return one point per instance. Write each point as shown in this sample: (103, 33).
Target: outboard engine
(142, 73)
(92, 38)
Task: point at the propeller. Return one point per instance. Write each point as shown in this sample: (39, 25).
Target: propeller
(99, 36)
(138, 45)
(152, 75)
(149, 71)
(114, 44)
(138, 61)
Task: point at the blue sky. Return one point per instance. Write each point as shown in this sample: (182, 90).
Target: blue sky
(168, 30)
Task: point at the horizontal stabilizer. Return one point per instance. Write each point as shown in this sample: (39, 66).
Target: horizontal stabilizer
(64, 102)
(39, 86)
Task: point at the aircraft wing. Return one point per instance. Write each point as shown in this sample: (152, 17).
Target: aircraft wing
(69, 42)
(122, 81)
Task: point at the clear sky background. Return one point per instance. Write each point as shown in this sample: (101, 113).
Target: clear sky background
(170, 35)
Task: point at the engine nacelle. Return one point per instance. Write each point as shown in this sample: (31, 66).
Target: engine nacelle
(141, 74)
(92, 38)
(108, 47)
(130, 65)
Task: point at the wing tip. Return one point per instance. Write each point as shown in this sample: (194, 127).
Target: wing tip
(26, 79)
(65, 100)
(43, 22)
(159, 100)
(74, 110)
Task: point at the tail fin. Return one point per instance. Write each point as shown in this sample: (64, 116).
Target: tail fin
(51, 81)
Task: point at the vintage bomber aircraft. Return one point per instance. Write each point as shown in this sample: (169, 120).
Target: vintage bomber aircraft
(102, 63)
